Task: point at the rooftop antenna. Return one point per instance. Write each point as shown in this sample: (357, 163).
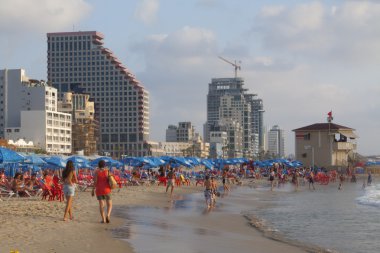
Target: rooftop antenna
(237, 67)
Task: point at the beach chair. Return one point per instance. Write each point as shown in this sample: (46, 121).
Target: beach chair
(57, 192)
(6, 193)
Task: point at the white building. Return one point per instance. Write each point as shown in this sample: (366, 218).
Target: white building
(29, 111)
(218, 144)
(276, 142)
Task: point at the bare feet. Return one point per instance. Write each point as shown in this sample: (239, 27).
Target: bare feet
(108, 219)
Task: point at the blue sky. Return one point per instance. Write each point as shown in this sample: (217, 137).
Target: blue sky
(303, 58)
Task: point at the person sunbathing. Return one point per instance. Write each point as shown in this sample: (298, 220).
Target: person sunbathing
(18, 185)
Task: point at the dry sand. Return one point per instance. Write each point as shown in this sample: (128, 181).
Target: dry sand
(32, 225)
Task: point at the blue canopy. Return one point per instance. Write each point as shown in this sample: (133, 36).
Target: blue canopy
(55, 161)
(108, 160)
(80, 161)
(9, 156)
(177, 161)
(34, 160)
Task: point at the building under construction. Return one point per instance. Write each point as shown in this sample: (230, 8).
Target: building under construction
(85, 128)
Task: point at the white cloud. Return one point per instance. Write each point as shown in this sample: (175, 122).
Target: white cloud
(146, 10)
(347, 33)
(272, 10)
(19, 16)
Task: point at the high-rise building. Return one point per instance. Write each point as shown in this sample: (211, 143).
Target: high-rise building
(257, 122)
(276, 142)
(28, 111)
(79, 59)
(228, 102)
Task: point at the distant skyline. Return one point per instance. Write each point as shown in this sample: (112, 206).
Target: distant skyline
(303, 58)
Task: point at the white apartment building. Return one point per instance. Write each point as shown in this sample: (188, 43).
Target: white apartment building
(276, 141)
(28, 111)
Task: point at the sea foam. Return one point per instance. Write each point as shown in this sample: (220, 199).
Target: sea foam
(371, 196)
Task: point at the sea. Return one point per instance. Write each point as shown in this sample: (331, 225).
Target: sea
(322, 220)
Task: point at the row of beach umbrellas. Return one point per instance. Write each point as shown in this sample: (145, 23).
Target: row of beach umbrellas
(11, 160)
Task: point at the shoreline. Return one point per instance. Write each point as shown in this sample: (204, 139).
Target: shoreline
(31, 225)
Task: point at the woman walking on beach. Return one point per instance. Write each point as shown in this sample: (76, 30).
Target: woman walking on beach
(103, 190)
(69, 178)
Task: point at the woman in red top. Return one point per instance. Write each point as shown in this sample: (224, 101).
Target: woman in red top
(103, 190)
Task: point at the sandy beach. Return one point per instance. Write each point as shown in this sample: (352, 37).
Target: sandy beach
(32, 225)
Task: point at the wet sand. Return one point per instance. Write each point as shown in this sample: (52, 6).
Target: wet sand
(31, 225)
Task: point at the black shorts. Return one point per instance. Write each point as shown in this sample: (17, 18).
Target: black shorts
(224, 181)
(271, 178)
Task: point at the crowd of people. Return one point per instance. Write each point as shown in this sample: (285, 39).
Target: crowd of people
(25, 184)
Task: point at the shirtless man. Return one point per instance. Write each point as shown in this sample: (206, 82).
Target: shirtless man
(171, 181)
(214, 187)
(208, 192)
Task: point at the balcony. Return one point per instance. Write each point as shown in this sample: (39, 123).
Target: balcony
(344, 146)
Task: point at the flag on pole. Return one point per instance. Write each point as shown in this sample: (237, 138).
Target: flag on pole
(330, 117)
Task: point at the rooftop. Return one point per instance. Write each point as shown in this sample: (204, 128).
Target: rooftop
(323, 126)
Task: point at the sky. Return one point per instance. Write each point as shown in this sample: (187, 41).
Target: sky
(303, 58)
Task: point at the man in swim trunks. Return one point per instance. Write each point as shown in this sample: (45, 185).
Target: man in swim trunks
(171, 181)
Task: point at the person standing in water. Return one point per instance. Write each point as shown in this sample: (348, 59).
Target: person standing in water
(271, 179)
(369, 179)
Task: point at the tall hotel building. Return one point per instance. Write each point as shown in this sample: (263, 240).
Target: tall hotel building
(231, 108)
(79, 60)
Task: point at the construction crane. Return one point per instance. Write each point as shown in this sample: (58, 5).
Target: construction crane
(237, 67)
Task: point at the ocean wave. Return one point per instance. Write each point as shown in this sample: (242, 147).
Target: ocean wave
(371, 196)
(268, 231)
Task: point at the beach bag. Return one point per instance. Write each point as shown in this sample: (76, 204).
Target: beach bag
(111, 180)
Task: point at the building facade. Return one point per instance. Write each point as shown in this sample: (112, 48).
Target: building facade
(29, 112)
(276, 142)
(184, 132)
(79, 59)
(85, 129)
(229, 102)
(326, 145)
(171, 133)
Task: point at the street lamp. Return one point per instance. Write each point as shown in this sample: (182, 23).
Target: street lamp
(312, 154)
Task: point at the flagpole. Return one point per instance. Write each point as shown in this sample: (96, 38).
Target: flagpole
(330, 140)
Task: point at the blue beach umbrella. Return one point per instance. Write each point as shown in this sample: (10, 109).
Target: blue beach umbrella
(79, 161)
(55, 162)
(108, 160)
(10, 156)
(34, 160)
